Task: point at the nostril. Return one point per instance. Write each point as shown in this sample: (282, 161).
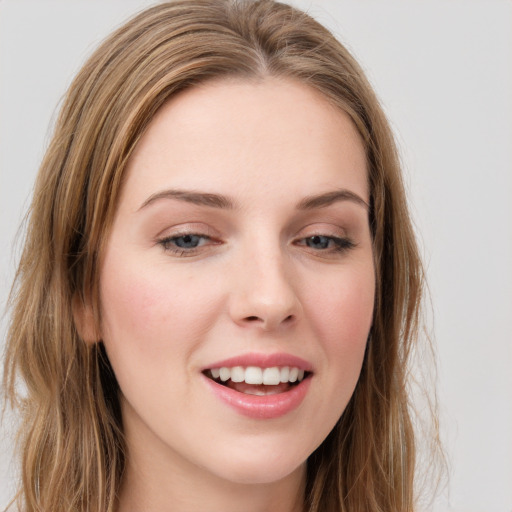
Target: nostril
(257, 319)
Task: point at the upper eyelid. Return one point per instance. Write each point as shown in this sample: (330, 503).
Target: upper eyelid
(192, 228)
(200, 228)
(181, 235)
(327, 229)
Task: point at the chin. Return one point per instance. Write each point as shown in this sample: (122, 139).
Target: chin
(253, 472)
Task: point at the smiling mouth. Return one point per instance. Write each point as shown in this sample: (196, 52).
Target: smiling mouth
(254, 380)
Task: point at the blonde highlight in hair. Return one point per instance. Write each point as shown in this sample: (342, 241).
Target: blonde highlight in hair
(72, 445)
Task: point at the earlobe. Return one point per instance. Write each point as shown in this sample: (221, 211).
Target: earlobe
(85, 321)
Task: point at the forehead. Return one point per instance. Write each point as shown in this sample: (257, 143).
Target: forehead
(245, 136)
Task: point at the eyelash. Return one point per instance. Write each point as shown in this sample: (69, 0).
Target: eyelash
(341, 245)
(180, 251)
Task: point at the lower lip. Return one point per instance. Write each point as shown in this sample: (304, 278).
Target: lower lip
(261, 407)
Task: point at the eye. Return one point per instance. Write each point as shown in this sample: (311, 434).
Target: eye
(187, 241)
(319, 242)
(186, 244)
(324, 243)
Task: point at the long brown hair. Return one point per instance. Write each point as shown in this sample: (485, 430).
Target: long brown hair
(72, 445)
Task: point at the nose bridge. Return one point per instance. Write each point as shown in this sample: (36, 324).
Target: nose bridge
(264, 293)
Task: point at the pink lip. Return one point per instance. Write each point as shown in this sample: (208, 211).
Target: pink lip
(268, 406)
(263, 361)
(261, 407)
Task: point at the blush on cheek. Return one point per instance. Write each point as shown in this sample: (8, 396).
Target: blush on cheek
(129, 302)
(155, 310)
(346, 317)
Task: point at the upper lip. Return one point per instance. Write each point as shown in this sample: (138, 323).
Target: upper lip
(263, 361)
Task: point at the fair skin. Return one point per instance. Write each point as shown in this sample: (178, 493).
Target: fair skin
(241, 231)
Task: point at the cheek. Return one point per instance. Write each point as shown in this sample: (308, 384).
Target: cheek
(342, 313)
(152, 309)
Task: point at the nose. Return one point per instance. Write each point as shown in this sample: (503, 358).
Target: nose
(263, 293)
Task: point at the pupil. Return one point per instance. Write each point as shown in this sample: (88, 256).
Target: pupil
(187, 241)
(318, 242)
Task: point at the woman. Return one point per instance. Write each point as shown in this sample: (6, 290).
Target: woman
(220, 284)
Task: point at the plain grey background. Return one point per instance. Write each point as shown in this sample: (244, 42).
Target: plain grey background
(443, 70)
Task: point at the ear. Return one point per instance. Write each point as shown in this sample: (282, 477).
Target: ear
(85, 321)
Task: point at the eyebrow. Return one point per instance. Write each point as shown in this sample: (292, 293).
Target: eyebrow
(328, 198)
(224, 202)
(190, 196)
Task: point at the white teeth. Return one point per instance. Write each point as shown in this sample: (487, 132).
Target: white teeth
(237, 374)
(225, 374)
(256, 375)
(253, 375)
(271, 376)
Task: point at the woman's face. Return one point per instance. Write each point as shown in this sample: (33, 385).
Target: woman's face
(241, 246)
